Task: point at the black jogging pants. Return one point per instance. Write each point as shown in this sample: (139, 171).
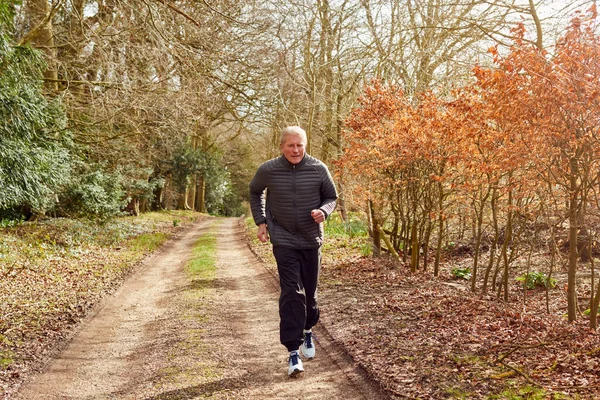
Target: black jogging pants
(298, 277)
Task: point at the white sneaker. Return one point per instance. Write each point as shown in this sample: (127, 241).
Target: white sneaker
(308, 347)
(294, 364)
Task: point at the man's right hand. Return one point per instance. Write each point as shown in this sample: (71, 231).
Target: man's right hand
(263, 234)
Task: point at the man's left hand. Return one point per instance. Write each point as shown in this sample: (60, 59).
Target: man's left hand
(318, 216)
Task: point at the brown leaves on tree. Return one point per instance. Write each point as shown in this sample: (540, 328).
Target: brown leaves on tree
(518, 147)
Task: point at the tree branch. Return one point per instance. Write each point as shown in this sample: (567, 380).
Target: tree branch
(180, 12)
(47, 18)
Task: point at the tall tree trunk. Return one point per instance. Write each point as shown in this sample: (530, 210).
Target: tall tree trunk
(573, 218)
(438, 250)
(326, 74)
(426, 241)
(595, 297)
(414, 247)
(39, 16)
(375, 233)
(192, 192)
(199, 182)
(507, 241)
(479, 234)
(201, 194)
(182, 200)
(494, 246)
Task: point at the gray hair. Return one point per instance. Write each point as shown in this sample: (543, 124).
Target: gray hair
(293, 130)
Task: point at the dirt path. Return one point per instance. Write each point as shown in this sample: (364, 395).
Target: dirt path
(147, 342)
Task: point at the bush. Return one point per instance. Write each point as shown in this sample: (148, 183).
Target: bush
(535, 279)
(139, 183)
(95, 195)
(461, 273)
(35, 158)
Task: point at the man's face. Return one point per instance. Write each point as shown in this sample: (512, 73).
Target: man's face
(293, 148)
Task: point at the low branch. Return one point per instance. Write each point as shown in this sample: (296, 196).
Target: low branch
(75, 82)
(47, 18)
(387, 242)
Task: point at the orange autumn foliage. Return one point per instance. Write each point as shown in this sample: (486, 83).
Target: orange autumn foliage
(525, 131)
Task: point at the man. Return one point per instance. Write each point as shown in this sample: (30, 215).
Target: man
(300, 196)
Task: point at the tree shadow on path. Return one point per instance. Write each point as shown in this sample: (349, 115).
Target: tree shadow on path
(205, 389)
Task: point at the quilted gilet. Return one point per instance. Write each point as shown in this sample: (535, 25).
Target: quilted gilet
(292, 192)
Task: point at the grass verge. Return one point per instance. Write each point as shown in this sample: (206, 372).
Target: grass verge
(190, 362)
(52, 272)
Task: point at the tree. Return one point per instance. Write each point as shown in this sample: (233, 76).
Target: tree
(558, 98)
(34, 141)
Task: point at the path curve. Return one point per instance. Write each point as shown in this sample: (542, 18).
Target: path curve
(125, 349)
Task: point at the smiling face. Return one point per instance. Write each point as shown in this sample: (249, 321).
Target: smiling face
(293, 147)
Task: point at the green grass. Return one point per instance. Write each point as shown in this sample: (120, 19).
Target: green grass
(352, 227)
(458, 393)
(528, 392)
(202, 265)
(147, 241)
(6, 359)
(174, 216)
(201, 272)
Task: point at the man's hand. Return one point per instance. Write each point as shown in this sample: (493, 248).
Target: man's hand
(318, 216)
(263, 234)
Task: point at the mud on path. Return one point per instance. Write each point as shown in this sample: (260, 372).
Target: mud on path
(163, 335)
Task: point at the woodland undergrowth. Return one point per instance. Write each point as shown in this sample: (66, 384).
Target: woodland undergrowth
(427, 337)
(54, 271)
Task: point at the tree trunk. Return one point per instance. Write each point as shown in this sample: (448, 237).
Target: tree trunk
(182, 201)
(375, 234)
(426, 241)
(571, 274)
(595, 297)
(479, 234)
(414, 247)
(507, 240)
(39, 16)
(144, 206)
(494, 246)
(158, 198)
(387, 243)
(200, 194)
(438, 250)
(192, 193)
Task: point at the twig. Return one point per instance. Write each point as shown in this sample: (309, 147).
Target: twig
(180, 12)
(523, 374)
(533, 346)
(211, 8)
(574, 387)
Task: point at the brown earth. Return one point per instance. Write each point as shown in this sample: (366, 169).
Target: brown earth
(165, 335)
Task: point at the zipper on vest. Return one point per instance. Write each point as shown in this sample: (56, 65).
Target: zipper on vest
(294, 205)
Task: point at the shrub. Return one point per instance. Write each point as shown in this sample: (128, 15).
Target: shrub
(35, 157)
(535, 279)
(461, 273)
(95, 194)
